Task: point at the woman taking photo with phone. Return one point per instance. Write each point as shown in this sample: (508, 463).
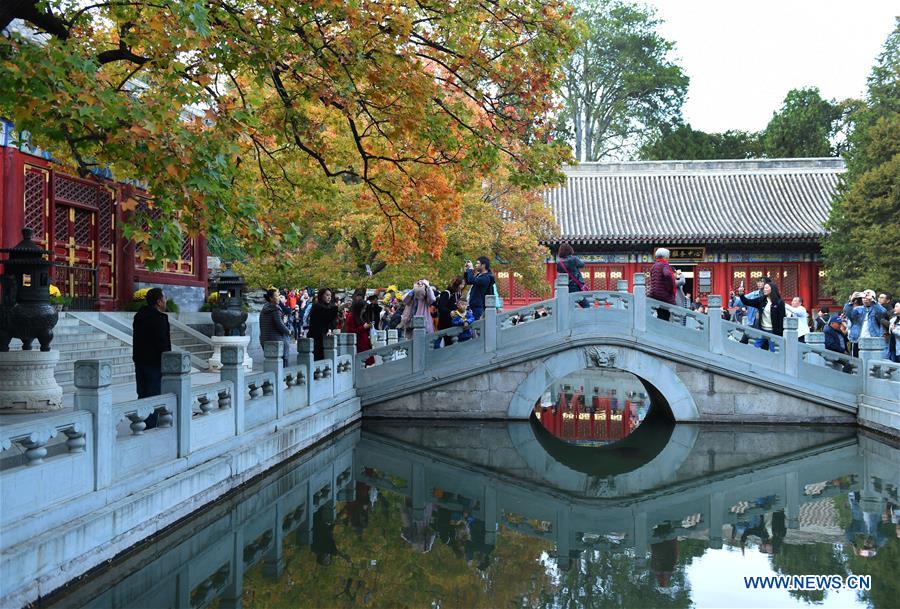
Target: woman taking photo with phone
(771, 314)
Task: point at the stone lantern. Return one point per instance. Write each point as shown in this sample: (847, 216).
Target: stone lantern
(27, 383)
(229, 317)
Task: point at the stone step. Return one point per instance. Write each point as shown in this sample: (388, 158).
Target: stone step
(193, 347)
(115, 361)
(118, 372)
(76, 331)
(88, 342)
(101, 353)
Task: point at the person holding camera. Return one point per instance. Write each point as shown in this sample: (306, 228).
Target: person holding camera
(771, 314)
(481, 279)
(865, 317)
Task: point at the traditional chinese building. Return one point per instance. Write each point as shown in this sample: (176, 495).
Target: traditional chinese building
(726, 222)
(80, 221)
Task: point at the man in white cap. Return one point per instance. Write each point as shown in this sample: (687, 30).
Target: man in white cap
(865, 316)
(662, 282)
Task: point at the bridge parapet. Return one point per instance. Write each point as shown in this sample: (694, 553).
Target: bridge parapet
(663, 330)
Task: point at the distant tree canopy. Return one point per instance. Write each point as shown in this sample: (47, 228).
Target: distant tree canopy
(619, 86)
(863, 243)
(683, 142)
(804, 126)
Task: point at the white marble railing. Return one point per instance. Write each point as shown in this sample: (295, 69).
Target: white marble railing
(704, 339)
(108, 445)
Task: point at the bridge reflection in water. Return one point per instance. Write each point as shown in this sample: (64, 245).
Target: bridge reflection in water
(484, 514)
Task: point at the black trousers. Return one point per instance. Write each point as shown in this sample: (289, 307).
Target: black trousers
(148, 379)
(662, 314)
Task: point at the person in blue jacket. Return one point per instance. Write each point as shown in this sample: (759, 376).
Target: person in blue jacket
(481, 279)
(865, 317)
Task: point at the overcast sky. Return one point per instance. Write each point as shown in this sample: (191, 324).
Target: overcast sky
(743, 56)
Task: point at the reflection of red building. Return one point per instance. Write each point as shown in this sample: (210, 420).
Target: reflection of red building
(605, 419)
(80, 221)
(735, 220)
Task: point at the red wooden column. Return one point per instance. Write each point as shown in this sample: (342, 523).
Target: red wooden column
(124, 254)
(12, 194)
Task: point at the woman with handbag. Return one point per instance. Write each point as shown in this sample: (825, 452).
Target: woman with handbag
(571, 265)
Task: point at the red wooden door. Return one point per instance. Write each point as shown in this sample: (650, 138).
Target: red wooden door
(36, 203)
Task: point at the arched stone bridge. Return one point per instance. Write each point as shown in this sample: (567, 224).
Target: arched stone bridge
(696, 362)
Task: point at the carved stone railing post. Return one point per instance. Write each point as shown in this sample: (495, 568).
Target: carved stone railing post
(562, 308)
(816, 340)
(640, 302)
(273, 351)
(490, 323)
(418, 344)
(714, 321)
(176, 378)
(233, 370)
(350, 349)
(870, 347)
(791, 346)
(621, 286)
(330, 352)
(305, 359)
(92, 393)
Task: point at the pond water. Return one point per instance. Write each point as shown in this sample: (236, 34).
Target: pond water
(465, 514)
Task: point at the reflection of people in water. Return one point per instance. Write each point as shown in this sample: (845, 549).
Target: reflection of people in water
(323, 544)
(356, 512)
(867, 530)
(663, 558)
(418, 532)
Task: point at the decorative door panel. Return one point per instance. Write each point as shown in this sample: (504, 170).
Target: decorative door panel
(84, 236)
(73, 235)
(106, 244)
(36, 203)
(603, 277)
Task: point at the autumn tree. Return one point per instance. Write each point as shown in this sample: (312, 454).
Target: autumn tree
(863, 241)
(268, 124)
(620, 86)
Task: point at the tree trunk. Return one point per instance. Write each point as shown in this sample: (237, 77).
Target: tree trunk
(576, 113)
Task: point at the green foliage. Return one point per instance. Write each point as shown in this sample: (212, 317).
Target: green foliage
(683, 142)
(803, 126)
(61, 301)
(863, 242)
(619, 87)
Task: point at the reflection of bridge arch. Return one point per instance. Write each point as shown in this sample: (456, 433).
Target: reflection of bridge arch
(650, 469)
(574, 523)
(653, 373)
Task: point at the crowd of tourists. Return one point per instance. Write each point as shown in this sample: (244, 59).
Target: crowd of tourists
(291, 314)
(866, 313)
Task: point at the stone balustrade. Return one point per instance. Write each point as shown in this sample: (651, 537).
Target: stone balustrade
(99, 467)
(632, 319)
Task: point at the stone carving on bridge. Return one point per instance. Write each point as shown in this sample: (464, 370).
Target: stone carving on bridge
(600, 358)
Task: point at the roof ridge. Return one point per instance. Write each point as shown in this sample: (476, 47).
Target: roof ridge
(804, 165)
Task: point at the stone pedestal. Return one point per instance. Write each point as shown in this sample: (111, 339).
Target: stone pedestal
(215, 361)
(27, 383)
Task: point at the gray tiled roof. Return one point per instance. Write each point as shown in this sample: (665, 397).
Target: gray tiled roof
(695, 201)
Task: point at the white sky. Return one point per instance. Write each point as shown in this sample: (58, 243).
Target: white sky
(744, 56)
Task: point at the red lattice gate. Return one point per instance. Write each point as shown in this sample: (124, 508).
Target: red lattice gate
(83, 238)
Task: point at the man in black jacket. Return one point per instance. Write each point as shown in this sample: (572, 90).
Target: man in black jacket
(150, 339)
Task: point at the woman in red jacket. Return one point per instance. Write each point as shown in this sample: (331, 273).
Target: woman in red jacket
(354, 322)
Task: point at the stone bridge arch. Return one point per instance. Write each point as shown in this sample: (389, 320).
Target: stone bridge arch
(652, 371)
